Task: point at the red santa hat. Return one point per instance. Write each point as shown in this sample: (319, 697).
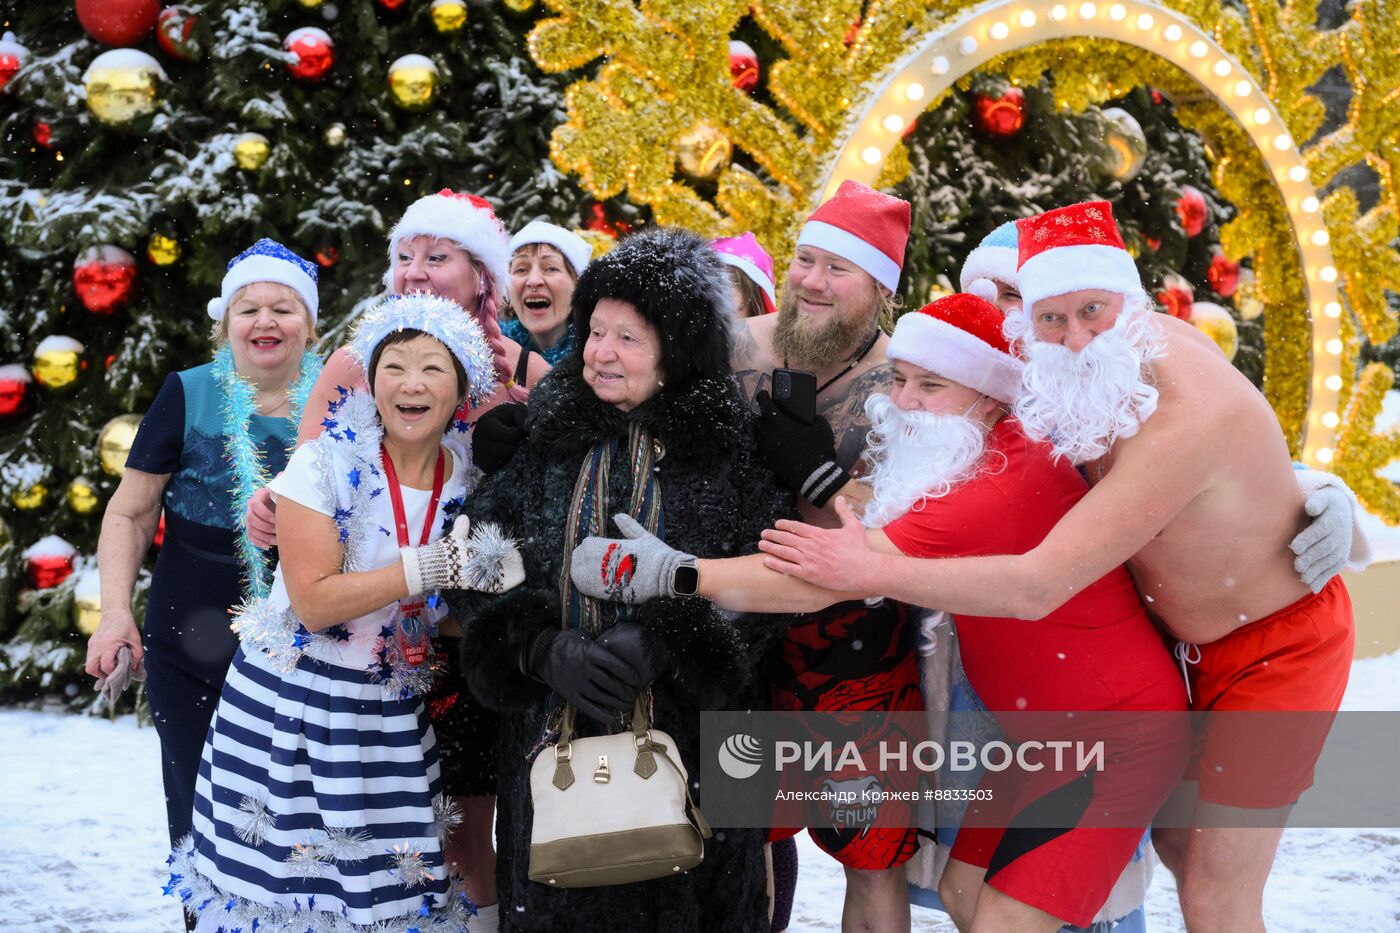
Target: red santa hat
(959, 337)
(864, 226)
(466, 220)
(1071, 248)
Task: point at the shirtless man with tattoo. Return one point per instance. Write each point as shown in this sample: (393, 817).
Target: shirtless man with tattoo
(840, 290)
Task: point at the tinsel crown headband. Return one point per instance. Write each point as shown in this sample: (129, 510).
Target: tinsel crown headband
(443, 319)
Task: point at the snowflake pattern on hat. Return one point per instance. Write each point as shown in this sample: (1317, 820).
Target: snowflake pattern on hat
(274, 250)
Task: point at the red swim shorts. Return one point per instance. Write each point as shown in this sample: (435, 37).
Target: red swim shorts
(1276, 683)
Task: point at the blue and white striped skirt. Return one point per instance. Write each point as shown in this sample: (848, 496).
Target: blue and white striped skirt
(318, 807)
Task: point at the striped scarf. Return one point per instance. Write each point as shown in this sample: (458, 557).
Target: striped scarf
(589, 514)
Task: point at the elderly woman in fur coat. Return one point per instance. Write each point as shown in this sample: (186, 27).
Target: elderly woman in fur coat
(644, 418)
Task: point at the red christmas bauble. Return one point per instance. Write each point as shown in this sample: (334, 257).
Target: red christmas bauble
(1001, 116)
(1176, 296)
(117, 22)
(15, 387)
(48, 562)
(12, 57)
(105, 279)
(743, 65)
(315, 52)
(599, 223)
(175, 33)
(1223, 275)
(393, 6)
(325, 258)
(850, 38)
(1191, 210)
(43, 135)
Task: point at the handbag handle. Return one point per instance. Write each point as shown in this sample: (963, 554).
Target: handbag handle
(640, 723)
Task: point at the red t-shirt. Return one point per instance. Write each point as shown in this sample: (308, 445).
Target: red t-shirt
(1097, 651)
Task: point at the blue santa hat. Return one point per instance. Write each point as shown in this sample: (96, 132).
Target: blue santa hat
(994, 260)
(267, 261)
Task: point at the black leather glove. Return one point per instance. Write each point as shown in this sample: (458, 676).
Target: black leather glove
(801, 456)
(627, 641)
(497, 435)
(583, 672)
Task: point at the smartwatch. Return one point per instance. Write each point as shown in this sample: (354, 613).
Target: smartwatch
(685, 579)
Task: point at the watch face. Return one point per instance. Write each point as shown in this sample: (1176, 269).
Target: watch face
(686, 580)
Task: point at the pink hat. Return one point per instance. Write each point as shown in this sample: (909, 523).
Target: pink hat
(864, 226)
(959, 337)
(744, 254)
(1071, 248)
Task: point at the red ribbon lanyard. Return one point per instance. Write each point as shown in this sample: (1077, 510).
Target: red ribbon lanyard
(396, 497)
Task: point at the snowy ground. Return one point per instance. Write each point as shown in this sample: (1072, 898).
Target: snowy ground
(83, 823)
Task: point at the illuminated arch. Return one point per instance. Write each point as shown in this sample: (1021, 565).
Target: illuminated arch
(964, 44)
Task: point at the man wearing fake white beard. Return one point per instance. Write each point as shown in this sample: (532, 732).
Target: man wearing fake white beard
(1193, 489)
(953, 475)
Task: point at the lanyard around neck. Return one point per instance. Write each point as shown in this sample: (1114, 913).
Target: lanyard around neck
(396, 497)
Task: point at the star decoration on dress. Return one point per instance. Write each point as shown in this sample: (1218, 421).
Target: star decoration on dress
(354, 477)
(175, 879)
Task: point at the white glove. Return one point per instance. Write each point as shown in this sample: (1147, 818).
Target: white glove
(485, 560)
(1331, 540)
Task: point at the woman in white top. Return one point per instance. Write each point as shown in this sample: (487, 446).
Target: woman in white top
(318, 804)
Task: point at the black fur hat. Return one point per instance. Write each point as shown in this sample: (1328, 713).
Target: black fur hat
(677, 284)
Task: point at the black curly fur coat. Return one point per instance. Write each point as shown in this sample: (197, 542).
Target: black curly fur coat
(716, 499)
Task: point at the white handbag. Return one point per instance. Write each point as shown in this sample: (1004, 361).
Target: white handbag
(612, 809)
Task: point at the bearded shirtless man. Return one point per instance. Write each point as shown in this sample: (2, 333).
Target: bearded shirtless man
(850, 656)
(1191, 486)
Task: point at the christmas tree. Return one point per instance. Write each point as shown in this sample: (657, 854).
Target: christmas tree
(133, 168)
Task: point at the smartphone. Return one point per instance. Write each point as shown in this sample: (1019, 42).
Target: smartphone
(795, 394)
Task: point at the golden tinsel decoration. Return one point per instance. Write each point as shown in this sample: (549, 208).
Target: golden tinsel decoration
(667, 69)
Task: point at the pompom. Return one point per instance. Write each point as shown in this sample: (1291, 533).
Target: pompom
(985, 289)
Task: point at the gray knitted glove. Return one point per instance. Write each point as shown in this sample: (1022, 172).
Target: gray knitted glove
(123, 673)
(629, 570)
(485, 560)
(1323, 546)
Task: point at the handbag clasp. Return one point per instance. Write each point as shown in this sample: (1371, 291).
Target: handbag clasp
(601, 773)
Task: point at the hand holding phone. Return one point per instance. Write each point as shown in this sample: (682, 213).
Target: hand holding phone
(795, 394)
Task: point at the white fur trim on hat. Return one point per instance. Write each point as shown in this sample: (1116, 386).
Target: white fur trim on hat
(256, 269)
(751, 272)
(1071, 268)
(570, 245)
(847, 245)
(988, 262)
(460, 221)
(955, 354)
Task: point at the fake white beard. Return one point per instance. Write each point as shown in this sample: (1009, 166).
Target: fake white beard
(1082, 402)
(915, 455)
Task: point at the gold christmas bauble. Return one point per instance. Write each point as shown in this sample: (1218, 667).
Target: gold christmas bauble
(114, 443)
(310, 4)
(449, 15)
(251, 150)
(58, 361)
(703, 151)
(82, 497)
(334, 135)
(163, 250)
(1217, 324)
(1127, 144)
(413, 82)
(31, 497)
(1246, 296)
(87, 604)
(123, 85)
(520, 6)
